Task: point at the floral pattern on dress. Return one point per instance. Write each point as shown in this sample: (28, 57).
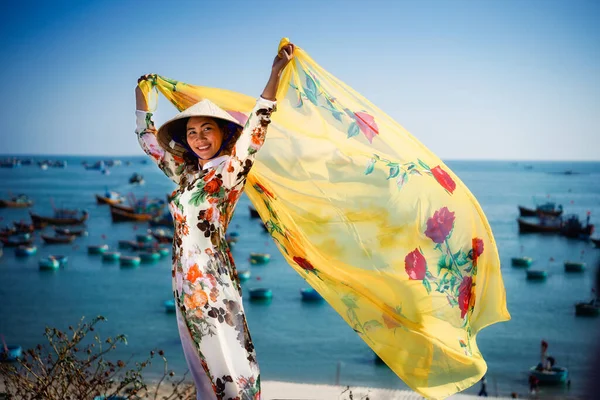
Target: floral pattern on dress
(205, 280)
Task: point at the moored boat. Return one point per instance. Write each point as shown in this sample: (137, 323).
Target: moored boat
(49, 264)
(13, 241)
(596, 242)
(574, 266)
(261, 294)
(149, 256)
(244, 275)
(310, 294)
(119, 215)
(10, 353)
(41, 221)
(162, 236)
(547, 209)
(259, 258)
(587, 309)
(521, 261)
(25, 251)
(58, 239)
(554, 376)
(253, 212)
(536, 275)
(116, 199)
(129, 261)
(545, 225)
(70, 232)
(110, 256)
(62, 260)
(20, 201)
(170, 306)
(98, 249)
(573, 228)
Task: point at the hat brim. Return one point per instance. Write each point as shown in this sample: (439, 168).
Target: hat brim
(172, 132)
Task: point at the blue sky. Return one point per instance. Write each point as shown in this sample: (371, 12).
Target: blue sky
(493, 79)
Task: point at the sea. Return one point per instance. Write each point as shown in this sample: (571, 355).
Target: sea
(296, 341)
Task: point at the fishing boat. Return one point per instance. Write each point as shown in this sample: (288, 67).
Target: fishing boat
(40, 221)
(10, 353)
(109, 198)
(547, 209)
(253, 212)
(261, 294)
(149, 256)
(129, 261)
(545, 225)
(572, 227)
(128, 244)
(136, 179)
(16, 241)
(62, 260)
(536, 275)
(70, 232)
(165, 220)
(574, 266)
(244, 275)
(554, 376)
(58, 239)
(23, 227)
(25, 251)
(162, 236)
(170, 306)
(110, 256)
(48, 264)
(20, 201)
(97, 166)
(97, 249)
(310, 295)
(587, 309)
(521, 261)
(164, 252)
(596, 242)
(119, 215)
(8, 231)
(259, 258)
(144, 238)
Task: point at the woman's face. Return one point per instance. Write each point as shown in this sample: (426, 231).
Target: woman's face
(204, 136)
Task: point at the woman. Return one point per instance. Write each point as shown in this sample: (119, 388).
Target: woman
(209, 154)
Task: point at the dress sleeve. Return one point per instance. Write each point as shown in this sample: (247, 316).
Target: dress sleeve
(250, 141)
(172, 166)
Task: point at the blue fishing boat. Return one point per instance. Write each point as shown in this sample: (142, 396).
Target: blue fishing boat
(144, 238)
(129, 261)
(573, 266)
(11, 353)
(128, 244)
(261, 294)
(522, 262)
(244, 275)
(25, 251)
(149, 256)
(49, 264)
(554, 376)
(311, 295)
(62, 260)
(164, 251)
(536, 275)
(111, 256)
(98, 249)
(259, 258)
(170, 306)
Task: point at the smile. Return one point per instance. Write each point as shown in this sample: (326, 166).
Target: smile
(202, 148)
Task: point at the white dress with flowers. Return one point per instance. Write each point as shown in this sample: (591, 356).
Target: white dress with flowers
(211, 319)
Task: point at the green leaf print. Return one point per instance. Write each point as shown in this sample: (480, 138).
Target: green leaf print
(402, 180)
(311, 89)
(349, 301)
(198, 197)
(442, 264)
(461, 258)
(372, 324)
(422, 164)
(370, 166)
(394, 171)
(427, 285)
(353, 130)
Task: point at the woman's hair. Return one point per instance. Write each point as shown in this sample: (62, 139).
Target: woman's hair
(231, 133)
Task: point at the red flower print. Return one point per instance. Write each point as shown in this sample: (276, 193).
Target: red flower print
(390, 322)
(415, 265)
(233, 196)
(440, 225)
(193, 273)
(465, 295)
(209, 176)
(443, 179)
(304, 264)
(213, 186)
(477, 249)
(178, 159)
(367, 125)
(264, 190)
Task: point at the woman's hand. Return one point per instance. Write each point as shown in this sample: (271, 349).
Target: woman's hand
(282, 59)
(140, 99)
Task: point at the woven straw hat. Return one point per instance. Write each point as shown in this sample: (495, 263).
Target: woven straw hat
(172, 133)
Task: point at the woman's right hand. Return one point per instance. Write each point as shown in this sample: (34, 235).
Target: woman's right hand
(140, 99)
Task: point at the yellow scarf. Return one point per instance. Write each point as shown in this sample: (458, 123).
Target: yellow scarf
(375, 222)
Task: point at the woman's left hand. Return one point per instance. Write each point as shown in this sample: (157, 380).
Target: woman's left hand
(282, 59)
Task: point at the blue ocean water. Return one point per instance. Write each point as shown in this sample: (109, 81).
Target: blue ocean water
(296, 341)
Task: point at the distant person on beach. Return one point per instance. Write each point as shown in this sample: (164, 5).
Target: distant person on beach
(208, 154)
(483, 390)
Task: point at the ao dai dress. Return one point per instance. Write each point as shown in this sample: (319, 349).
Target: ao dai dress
(211, 319)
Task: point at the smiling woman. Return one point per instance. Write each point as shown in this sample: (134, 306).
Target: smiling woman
(207, 152)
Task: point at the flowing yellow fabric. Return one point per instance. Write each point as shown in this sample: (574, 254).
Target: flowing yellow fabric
(374, 221)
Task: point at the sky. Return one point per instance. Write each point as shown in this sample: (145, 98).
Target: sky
(471, 79)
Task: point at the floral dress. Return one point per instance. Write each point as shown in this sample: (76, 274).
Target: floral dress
(210, 313)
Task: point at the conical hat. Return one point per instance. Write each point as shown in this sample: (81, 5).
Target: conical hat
(173, 131)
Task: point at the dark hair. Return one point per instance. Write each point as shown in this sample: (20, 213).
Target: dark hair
(231, 133)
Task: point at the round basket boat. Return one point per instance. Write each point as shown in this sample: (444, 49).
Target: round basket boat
(588, 309)
(572, 266)
(164, 252)
(98, 249)
(149, 256)
(244, 275)
(111, 256)
(233, 234)
(49, 264)
(127, 244)
(12, 354)
(522, 262)
(310, 295)
(259, 258)
(62, 260)
(536, 275)
(24, 251)
(261, 294)
(144, 238)
(129, 261)
(555, 376)
(170, 306)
